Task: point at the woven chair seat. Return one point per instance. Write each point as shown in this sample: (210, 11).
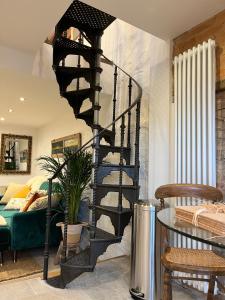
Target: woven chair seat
(194, 261)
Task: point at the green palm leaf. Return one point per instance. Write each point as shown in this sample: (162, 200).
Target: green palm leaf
(73, 179)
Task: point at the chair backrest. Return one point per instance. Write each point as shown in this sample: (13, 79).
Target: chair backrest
(200, 191)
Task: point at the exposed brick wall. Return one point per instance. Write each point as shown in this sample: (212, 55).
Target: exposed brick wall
(214, 28)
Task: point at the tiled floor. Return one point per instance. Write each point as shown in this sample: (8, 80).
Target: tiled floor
(110, 280)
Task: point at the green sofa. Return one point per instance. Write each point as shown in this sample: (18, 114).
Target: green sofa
(26, 230)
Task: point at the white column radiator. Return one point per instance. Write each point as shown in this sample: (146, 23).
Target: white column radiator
(195, 117)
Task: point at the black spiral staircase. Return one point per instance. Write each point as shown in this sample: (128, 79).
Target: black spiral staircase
(122, 139)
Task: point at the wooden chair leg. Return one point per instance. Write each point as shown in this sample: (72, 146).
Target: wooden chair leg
(211, 288)
(167, 288)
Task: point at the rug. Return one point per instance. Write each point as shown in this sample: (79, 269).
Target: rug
(26, 265)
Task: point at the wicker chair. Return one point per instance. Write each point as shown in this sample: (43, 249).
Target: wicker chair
(191, 261)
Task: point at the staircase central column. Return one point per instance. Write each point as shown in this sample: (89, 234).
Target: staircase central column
(96, 107)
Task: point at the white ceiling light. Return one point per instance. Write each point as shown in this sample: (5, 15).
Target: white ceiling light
(2, 119)
(10, 110)
(22, 99)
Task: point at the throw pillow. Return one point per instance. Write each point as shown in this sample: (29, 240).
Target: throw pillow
(12, 189)
(2, 221)
(15, 204)
(23, 192)
(36, 182)
(42, 202)
(30, 199)
(3, 190)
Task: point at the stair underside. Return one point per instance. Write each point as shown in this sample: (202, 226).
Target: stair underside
(64, 46)
(112, 210)
(65, 75)
(104, 150)
(76, 98)
(106, 169)
(115, 187)
(129, 191)
(119, 218)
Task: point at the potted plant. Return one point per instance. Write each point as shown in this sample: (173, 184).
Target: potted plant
(73, 180)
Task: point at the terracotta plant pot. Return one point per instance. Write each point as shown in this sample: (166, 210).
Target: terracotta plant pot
(73, 233)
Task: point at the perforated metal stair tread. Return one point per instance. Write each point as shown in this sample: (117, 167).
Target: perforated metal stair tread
(116, 186)
(65, 43)
(108, 165)
(64, 46)
(78, 93)
(60, 70)
(113, 209)
(85, 17)
(114, 148)
(103, 236)
(81, 260)
(87, 113)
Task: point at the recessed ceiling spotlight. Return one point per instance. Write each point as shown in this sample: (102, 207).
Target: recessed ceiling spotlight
(2, 119)
(22, 99)
(10, 110)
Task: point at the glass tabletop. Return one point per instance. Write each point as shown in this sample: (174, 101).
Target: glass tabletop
(167, 218)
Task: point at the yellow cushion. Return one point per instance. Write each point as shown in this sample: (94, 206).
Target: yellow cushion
(22, 193)
(12, 189)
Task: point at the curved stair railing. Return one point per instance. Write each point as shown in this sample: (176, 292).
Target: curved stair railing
(91, 23)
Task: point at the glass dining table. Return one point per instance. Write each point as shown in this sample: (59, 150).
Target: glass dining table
(167, 217)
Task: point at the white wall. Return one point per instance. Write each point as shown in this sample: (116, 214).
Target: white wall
(20, 130)
(65, 124)
(159, 115)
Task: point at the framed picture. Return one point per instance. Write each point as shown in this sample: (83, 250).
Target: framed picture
(70, 142)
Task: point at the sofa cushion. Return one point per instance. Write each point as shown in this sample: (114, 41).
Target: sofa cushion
(2, 221)
(42, 202)
(15, 203)
(2, 190)
(30, 199)
(36, 182)
(8, 215)
(23, 192)
(12, 189)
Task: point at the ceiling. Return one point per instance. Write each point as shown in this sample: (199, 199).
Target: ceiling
(163, 18)
(25, 24)
(41, 96)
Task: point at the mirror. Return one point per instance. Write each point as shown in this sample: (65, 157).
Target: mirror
(16, 154)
